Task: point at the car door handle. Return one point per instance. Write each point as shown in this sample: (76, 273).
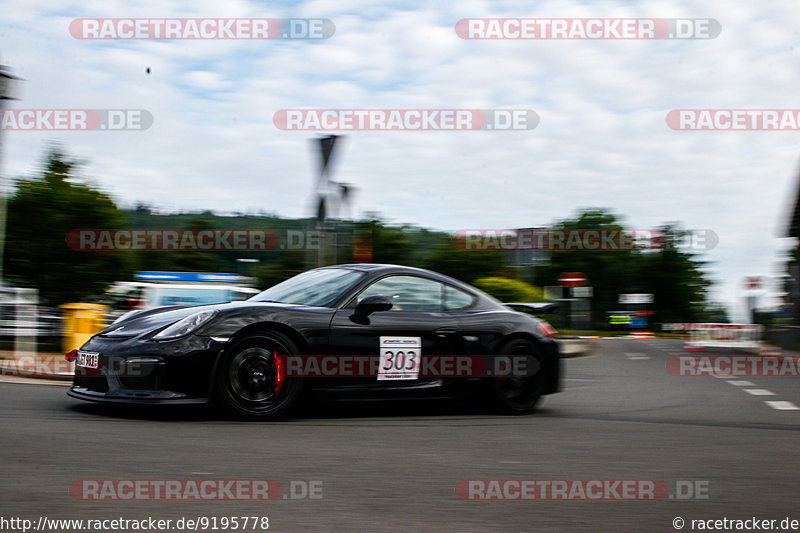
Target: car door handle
(444, 332)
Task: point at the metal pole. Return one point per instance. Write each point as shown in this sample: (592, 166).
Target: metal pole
(3, 85)
(5, 78)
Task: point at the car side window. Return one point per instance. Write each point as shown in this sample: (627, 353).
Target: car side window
(409, 293)
(455, 299)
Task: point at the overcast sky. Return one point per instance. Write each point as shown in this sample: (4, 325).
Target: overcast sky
(602, 141)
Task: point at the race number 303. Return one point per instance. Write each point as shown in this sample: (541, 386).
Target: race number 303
(400, 358)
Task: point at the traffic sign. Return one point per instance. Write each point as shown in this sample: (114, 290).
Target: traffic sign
(752, 283)
(636, 298)
(572, 279)
(582, 292)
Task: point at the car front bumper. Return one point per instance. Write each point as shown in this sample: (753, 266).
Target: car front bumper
(147, 372)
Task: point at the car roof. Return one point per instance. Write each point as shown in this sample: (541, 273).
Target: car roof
(370, 267)
(377, 269)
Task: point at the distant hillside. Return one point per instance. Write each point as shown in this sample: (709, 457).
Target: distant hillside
(399, 244)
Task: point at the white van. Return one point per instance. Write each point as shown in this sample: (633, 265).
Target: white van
(176, 288)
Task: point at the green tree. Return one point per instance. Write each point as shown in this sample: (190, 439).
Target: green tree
(196, 260)
(41, 212)
(715, 313)
(467, 265)
(674, 277)
(509, 290)
(290, 264)
(609, 273)
(389, 245)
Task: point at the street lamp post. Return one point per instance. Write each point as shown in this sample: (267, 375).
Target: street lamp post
(5, 81)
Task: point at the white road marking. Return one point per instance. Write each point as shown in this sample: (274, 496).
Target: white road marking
(634, 356)
(782, 406)
(742, 383)
(759, 392)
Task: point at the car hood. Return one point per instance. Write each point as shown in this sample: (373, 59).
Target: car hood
(151, 320)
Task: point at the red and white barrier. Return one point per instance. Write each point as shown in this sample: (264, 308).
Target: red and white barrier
(769, 350)
(701, 336)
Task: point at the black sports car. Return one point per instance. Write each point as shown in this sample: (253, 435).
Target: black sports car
(347, 331)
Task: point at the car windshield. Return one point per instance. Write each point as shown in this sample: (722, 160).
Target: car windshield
(193, 296)
(316, 287)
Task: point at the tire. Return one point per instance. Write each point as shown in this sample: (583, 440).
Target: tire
(517, 395)
(248, 383)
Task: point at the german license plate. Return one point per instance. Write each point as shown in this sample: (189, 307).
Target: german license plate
(87, 359)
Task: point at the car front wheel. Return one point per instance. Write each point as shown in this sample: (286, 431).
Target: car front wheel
(252, 381)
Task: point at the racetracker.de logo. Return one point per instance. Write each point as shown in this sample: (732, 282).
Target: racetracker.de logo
(200, 28)
(561, 489)
(35, 366)
(579, 240)
(409, 360)
(175, 489)
(587, 28)
(193, 489)
(76, 119)
(733, 366)
(102, 240)
(734, 119)
(405, 119)
(582, 489)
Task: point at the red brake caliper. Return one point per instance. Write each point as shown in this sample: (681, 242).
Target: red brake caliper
(502, 375)
(280, 370)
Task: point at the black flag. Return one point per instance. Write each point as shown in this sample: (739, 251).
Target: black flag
(326, 145)
(321, 213)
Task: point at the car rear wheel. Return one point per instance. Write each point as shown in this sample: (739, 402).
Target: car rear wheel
(252, 381)
(518, 394)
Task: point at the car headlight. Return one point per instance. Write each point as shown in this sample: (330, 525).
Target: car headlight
(186, 325)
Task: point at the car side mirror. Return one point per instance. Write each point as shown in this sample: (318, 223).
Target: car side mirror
(371, 304)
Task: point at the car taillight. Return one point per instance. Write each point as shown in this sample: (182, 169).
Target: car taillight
(546, 329)
(71, 356)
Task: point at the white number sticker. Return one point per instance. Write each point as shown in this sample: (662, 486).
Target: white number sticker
(400, 358)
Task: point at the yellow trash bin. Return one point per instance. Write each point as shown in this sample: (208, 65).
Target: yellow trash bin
(81, 321)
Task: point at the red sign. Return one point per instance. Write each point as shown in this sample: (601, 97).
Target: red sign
(752, 283)
(572, 279)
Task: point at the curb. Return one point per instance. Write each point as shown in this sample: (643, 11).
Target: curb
(26, 380)
(576, 347)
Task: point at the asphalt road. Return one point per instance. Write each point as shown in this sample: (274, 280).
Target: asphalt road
(394, 467)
